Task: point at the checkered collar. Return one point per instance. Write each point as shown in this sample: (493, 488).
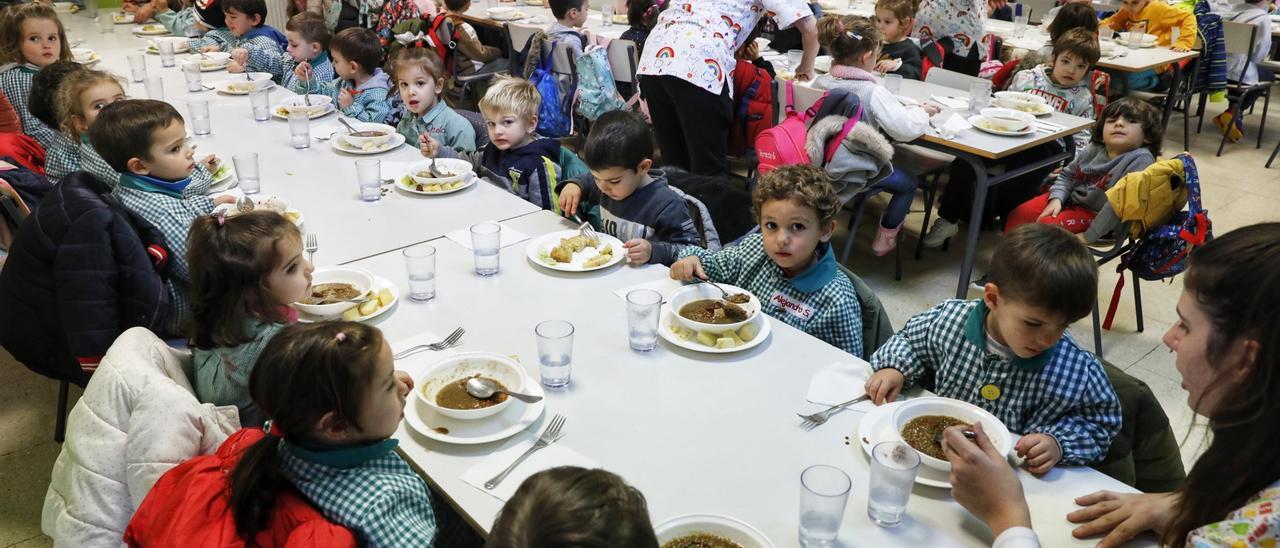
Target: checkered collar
(975, 332)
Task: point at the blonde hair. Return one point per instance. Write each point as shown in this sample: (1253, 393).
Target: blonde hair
(11, 31)
(848, 37)
(67, 102)
(901, 9)
(807, 185)
(511, 95)
(420, 58)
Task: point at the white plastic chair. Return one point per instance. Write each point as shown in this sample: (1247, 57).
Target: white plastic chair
(951, 79)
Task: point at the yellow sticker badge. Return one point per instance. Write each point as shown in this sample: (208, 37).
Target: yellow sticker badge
(991, 392)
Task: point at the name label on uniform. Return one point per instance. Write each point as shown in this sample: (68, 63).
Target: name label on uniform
(794, 307)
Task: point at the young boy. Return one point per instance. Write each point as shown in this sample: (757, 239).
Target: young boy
(570, 16)
(1161, 18)
(630, 202)
(472, 55)
(257, 46)
(146, 142)
(1065, 83)
(572, 506)
(308, 41)
(900, 55)
(516, 157)
(361, 87)
(789, 265)
(210, 17)
(1008, 353)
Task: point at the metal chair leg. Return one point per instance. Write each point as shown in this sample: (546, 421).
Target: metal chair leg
(1273, 154)
(1200, 111)
(60, 424)
(860, 202)
(930, 194)
(1262, 125)
(1097, 331)
(1137, 301)
(897, 257)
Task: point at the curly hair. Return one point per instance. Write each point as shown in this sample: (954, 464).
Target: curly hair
(807, 185)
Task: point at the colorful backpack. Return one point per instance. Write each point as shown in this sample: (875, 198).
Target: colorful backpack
(784, 144)
(753, 106)
(597, 91)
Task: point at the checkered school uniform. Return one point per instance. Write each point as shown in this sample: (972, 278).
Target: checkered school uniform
(15, 80)
(216, 37)
(819, 301)
(93, 162)
(61, 156)
(321, 71)
(371, 103)
(1064, 392)
(264, 53)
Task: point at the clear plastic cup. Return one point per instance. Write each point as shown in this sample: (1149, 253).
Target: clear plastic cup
(105, 24)
(166, 53)
(892, 83)
(606, 15)
(642, 319)
(420, 264)
(1019, 26)
(824, 492)
(893, 471)
(486, 244)
(200, 122)
(555, 352)
(192, 73)
(260, 100)
(155, 88)
(369, 175)
(138, 67)
(299, 129)
(979, 96)
(247, 172)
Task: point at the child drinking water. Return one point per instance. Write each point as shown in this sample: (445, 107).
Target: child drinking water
(31, 38)
(789, 265)
(361, 87)
(420, 78)
(82, 95)
(245, 271)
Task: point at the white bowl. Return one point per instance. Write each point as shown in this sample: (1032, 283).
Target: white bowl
(180, 44)
(697, 291)
(725, 526)
(357, 278)
(319, 104)
(83, 55)
(1147, 39)
(459, 168)
(387, 132)
(501, 13)
(496, 366)
(255, 81)
(1015, 99)
(948, 407)
(1010, 117)
(213, 59)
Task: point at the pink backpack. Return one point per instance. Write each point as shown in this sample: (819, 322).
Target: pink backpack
(783, 144)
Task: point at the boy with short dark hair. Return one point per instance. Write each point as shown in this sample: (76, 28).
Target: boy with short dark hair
(624, 198)
(146, 142)
(570, 16)
(257, 46)
(209, 16)
(360, 89)
(1008, 352)
(308, 41)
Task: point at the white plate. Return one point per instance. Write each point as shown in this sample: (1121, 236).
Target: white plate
(505, 16)
(733, 529)
(258, 201)
(542, 245)
(379, 283)
(85, 56)
(226, 181)
(122, 18)
(511, 421)
(978, 118)
(340, 145)
(275, 111)
(214, 68)
(822, 63)
(668, 320)
(877, 426)
(221, 87)
(156, 29)
(407, 184)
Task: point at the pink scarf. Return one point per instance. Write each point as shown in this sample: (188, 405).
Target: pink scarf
(848, 72)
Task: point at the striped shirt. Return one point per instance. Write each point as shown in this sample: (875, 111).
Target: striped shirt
(220, 37)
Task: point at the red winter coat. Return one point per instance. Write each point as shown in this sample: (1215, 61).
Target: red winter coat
(188, 507)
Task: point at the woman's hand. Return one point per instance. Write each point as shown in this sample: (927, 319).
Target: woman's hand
(1122, 516)
(983, 482)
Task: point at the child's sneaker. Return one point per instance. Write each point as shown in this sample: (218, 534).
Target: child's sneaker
(941, 230)
(886, 240)
(1226, 124)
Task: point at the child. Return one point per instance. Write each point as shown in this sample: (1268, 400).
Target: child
(570, 16)
(635, 204)
(1065, 82)
(572, 506)
(257, 46)
(854, 44)
(894, 19)
(515, 158)
(62, 155)
(789, 265)
(31, 38)
(1252, 12)
(180, 23)
(420, 77)
(1126, 138)
(329, 437)
(1160, 18)
(642, 16)
(81, 97)
(146, 142)
(1008, 353)
(245, 271)
(472, 56)
(361, 87)
(209, 16)
(308, 42)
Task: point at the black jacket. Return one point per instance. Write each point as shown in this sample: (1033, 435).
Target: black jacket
(82, 270)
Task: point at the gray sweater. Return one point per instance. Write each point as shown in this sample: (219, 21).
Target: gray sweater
(654, 212)
(1084, 182)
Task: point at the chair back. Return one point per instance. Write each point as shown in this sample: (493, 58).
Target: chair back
(622, 60)
(517, 36)
(805, 97)
(1239, 38)
(876, 325)
(951, 79)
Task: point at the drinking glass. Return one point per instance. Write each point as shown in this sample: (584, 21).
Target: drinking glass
(555, 352)
(486, 242)
(369, 175)
(979, 96)
(200, 122)
(155, 88)
(105, 23)
(1137, 30)
(192, 72)
(91, 8)
(420, 263)
(1106, 33)
(1019, 26)
(166, 53)
(893, 470)
(138, 67)
(191, 31)
(793, 59)
(247, 172)
(299, 129)
(260, 99)
(892, 83)
(606, 14)
(642, 319)
(824, 491)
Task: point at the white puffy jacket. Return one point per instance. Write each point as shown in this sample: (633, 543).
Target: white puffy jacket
(138, 418)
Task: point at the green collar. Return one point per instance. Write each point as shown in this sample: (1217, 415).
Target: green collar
(340, 456)
(152, 184)
(976, 333)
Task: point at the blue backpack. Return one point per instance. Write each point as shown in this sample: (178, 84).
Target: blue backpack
(555, 117)
(597, 92)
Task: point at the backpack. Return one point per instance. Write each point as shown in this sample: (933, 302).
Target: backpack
(753, 106)
(555, 114)
(597, 92)
(784, 144)
(932, 54)
(383, 16)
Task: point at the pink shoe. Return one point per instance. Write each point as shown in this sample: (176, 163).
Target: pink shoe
(886, 240)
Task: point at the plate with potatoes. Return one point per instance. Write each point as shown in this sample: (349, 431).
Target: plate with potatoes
(712, 341)
(380, 298)
(570, 251)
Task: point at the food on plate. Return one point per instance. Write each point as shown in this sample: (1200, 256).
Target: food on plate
(213, 63)
(444, 174)
(455, 396)
(373, 303)
(738, 298)
(368, 146)
(603, 257)
(331, 293)
(222, 172)
(725, 339)
(431, 187)
(239, 87)
(921, 433)
(620, 18)
(1002, 124)
(563, 253)
(714, 311)
(700, 540)
(122, 18)
(152, 28)
(369, 133)
(284, 110)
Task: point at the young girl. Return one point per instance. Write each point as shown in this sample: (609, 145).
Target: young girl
(789, 265)
(329, 437)
(572, 506)
(854, 44)
(80, 97)
(62, 155)
(1125, 139)
(420, 78)
(31, 38)
(245, 270)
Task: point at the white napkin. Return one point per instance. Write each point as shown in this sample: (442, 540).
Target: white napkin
(840, 382)
(951, 102)
(510, 236)
(949, 125)
(664, 286)
(556, 454)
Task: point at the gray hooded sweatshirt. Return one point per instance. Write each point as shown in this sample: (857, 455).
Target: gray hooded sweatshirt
(1084, 182)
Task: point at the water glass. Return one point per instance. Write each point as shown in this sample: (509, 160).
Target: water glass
(247, 172)
(300, 129)
(155, 88)
(893, 471)
(1106, 33)
(138, 67)
(369, 175)
(892, 83)
(166, 53)
(555, 352)
(192, 72)
(260, 99)
(1019, 26)
(420, 263)
(979, 96)
(105, 23)
(793, 59)
(91, 8)
(824, 491)
(606, 14)
(191, 31)
(200, 122)
(1136, 31)
(642, 319)
(486, 242)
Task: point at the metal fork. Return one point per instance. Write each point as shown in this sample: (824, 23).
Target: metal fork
(818, 419)
(549, 436)
(311, 247)
(448, 342)
(586, 229)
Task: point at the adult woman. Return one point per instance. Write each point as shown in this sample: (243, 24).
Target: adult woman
(961, 21)
(686, 73)
(1227, 342)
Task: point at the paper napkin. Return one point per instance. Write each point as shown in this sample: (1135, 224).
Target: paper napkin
(510, 236)
(556, 454)
(840, 382)
(951, 102)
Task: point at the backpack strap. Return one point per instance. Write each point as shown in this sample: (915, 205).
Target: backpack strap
(834, 144)
(1195, 230)
(791, 102)
(813, 109)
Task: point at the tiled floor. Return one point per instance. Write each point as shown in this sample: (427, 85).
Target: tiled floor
(1237, 191)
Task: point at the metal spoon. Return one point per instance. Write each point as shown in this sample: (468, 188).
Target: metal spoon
(349, 128)
(717, 286)
(244, 204)
(967, 433)
(484, 389)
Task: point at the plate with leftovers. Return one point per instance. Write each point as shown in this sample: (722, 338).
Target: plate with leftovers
(512, 420)
(339, 143)
(570, 251)
(709, 531)
(223, 178)
(380, 298)
(877, 426)
(153, 29)
(419, 179)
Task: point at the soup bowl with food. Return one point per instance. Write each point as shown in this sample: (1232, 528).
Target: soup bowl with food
(334, 290)
(701, 307)
(453, 169)
(443, 386)
(213, 60)
(319, 104)
(917, 421)
(1007, 119)
(1017, 100)
(254, 82)
(709, 531)
(369, 133)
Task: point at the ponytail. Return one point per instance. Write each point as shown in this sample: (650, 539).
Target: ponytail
(255, 482)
